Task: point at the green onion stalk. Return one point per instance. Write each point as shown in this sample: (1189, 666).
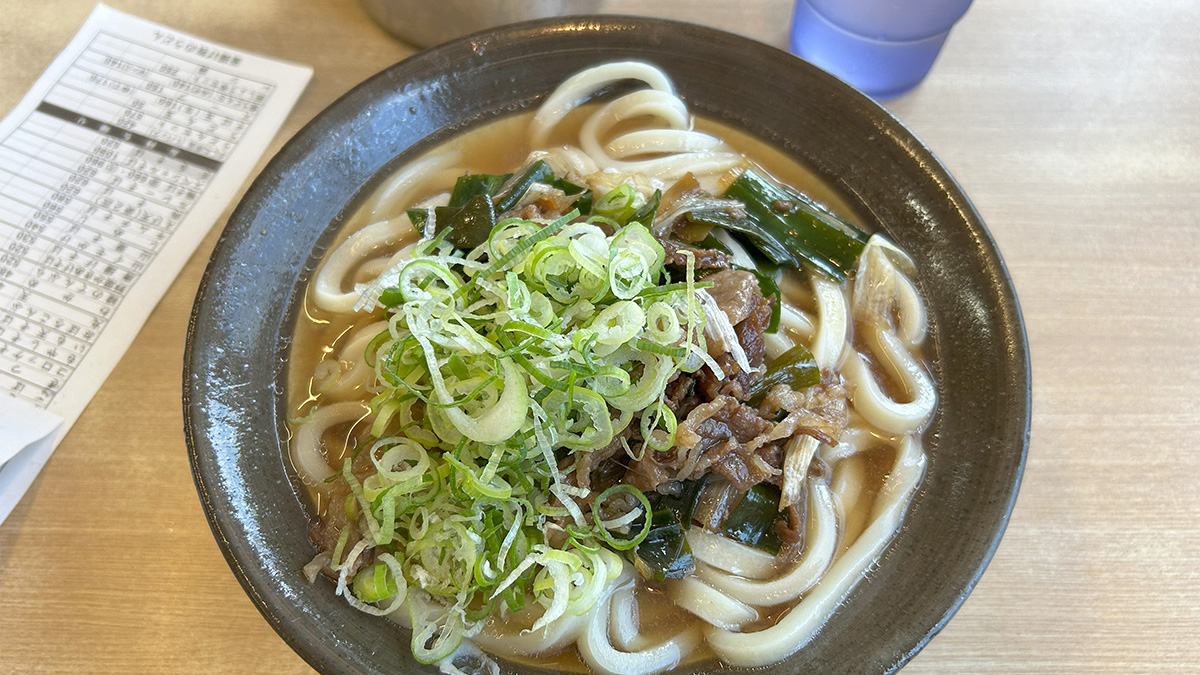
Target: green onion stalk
(501, 365)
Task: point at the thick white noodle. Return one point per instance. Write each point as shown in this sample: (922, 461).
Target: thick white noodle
(913, 322)
(731, 556)
(799, 625)
(796, 320)
(581, 86)
(329, 287)
(373, 269)
(664, 151)
(821, 542)
(624, 627)
(599, 653)
(569, 162)
(706, 602)
(683, 150)
(832, 329)
(795, 327)
(868, 396)
(777, 344)
(853, 439)
(881, 285)
(560, 633)
(847, 487)
(352, 374)
(396, 194)
(306, 454)
(660, 141)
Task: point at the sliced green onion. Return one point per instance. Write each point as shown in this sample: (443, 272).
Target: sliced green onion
(658, 427)
(374, 583)
(636, 261)
(623, 544)
(580, 417)
(618, 203)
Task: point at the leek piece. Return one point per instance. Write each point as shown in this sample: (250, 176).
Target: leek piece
(583, 202)
(665, 552)
(469, 225)
(470, 186)
(790, 228)
(498, 423)
(537, 172)
(752, 521)
(580, 417)
(796, 368)
(658, 426)
(644, 214)
(635, 262)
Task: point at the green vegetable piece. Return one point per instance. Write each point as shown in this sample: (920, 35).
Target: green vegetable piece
(586, 196)
(643, 529)
(752, 521)
(645, 213)
(617, 203)
(709, 242)
(790, 227)
(418, 218)
(796, 368)
(538, 172)
(761, 240)
(770, 289)
(458, 367)
(664, 553)
(584, 203)
(683, 505)
(469, 224)
(470, 186)
(374, 583)
(390, 297)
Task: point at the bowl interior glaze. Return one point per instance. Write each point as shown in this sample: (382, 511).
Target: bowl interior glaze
(239, 336)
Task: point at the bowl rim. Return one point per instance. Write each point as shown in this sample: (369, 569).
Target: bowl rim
(206, 469)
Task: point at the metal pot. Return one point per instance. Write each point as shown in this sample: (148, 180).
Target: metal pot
(429, 22)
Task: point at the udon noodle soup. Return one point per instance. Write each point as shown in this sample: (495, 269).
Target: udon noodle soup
(592, 386)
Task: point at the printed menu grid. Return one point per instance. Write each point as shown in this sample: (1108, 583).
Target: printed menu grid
(113, 167)
(92, 185)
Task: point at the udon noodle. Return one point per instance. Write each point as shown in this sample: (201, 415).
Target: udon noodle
(598, 407)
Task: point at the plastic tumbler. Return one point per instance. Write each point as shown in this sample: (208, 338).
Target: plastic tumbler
(882, 47)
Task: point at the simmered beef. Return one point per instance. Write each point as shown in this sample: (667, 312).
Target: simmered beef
(820, 411)
(736, 292)
(706, 258)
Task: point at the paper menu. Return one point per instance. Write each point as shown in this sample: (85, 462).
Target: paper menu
(113, 168)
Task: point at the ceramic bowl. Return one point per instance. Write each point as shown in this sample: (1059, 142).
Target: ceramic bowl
(238, 340)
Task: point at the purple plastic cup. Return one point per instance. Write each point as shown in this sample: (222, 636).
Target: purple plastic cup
(884, 48)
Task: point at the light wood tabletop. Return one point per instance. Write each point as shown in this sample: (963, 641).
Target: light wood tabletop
(1075, 130)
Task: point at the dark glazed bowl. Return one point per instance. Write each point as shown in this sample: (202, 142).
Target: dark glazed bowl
(239, 336)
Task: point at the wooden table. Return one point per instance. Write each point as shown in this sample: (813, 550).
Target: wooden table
(1075, 129)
